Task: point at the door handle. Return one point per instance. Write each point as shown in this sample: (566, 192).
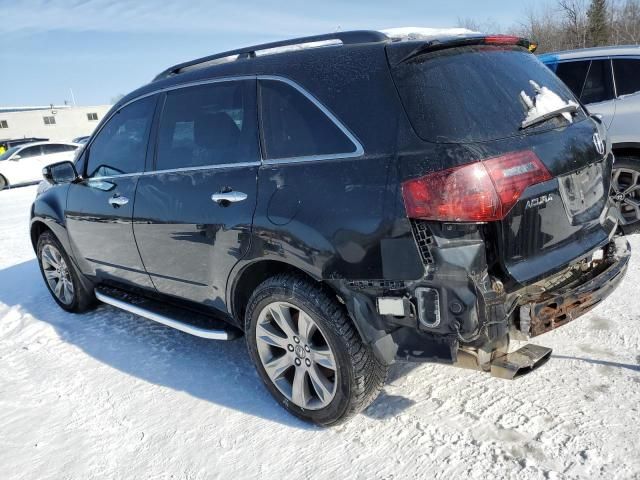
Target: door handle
(225, 198)
(118, 201)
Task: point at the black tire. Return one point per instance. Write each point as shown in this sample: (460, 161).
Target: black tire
(3, 183)
(629, 163)
(360, 375)
(83, 298)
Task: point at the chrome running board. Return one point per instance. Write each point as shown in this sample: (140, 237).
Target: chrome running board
(177, 318)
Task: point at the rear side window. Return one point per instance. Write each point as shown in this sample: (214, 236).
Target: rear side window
(209, 125)
(294, 126)
(573, 74)
(121, 145)
(627, 73)
(598, 87)
(57, 148)
(471, 94)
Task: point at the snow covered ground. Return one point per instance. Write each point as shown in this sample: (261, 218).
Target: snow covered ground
(111, 395)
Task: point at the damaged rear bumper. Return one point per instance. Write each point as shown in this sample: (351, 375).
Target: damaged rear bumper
(557, 308)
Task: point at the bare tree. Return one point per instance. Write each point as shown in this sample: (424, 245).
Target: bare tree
(578, 23)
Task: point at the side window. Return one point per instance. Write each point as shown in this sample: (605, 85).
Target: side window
(627, 73)
(293, 126)
(598, 87)
(56, 148)
(573, 74)
(29, 152)
(210, 124)
(121, 146)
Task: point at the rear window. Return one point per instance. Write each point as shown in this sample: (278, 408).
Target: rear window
(471, 94)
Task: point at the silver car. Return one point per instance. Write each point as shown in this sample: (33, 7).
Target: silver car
(607, 81)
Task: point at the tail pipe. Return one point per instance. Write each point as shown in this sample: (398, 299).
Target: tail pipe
(509, 365)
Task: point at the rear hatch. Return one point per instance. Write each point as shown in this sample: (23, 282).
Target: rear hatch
(497, 154)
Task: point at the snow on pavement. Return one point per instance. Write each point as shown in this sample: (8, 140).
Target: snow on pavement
(111, 395)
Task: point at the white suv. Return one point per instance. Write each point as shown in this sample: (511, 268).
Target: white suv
(607, 81)
(22, 164)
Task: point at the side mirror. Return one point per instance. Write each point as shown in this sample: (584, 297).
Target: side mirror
(15, 158)
(61, 172)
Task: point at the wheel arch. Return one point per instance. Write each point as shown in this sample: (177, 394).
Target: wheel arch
(38, 227)
(247, 279)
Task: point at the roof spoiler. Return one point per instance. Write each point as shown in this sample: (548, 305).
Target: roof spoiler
(406, 50)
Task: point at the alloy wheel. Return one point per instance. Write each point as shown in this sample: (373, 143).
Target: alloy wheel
(625, 192)
(57, 274)
(296, 356)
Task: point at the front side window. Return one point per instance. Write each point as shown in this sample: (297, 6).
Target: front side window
(573, 74)
(598, 87)
(121, 146)
(627, 73)
(293, 126)
(208, 125)
(30, 152)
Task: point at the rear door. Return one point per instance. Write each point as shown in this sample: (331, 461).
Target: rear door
(100, 207)
(193, 211)
(56, 152)
(624, 128)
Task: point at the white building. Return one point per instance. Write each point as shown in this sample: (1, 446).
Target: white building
(62, 123)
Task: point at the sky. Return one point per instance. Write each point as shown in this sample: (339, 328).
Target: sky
(101, 49)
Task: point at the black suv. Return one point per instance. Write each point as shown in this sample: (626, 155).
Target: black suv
(345, 201)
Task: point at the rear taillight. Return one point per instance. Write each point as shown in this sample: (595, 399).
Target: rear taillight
(478, 192)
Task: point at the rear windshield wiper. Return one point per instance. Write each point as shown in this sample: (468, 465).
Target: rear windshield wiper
(569, 108)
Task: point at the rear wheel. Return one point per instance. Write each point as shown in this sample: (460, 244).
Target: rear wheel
(3, 183)
(61, 277)
(625, 191)
(308, 353)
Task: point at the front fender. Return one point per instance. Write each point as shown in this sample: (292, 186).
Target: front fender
(47, 211)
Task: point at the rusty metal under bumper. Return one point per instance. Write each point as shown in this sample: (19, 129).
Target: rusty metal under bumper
(558, 309)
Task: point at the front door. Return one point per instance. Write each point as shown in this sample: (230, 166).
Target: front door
(193, 213)
(100, 208)
(27, 168)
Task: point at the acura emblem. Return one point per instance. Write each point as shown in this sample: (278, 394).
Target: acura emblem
(597, 141)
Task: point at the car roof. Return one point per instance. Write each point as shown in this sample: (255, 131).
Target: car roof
(621, 50)
(33, 144)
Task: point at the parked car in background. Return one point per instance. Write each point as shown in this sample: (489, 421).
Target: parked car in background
(607, 81)
(6, 144)
(22, 164)
(262, 191)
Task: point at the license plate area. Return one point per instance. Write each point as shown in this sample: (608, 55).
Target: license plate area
(583, 193)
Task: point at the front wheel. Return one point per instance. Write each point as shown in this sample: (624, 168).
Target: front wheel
(61, 277)
(308, 353)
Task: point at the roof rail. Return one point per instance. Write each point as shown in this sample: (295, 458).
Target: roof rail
(352, 37)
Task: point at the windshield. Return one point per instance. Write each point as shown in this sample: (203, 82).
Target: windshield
(9, 152)
(471, 94)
